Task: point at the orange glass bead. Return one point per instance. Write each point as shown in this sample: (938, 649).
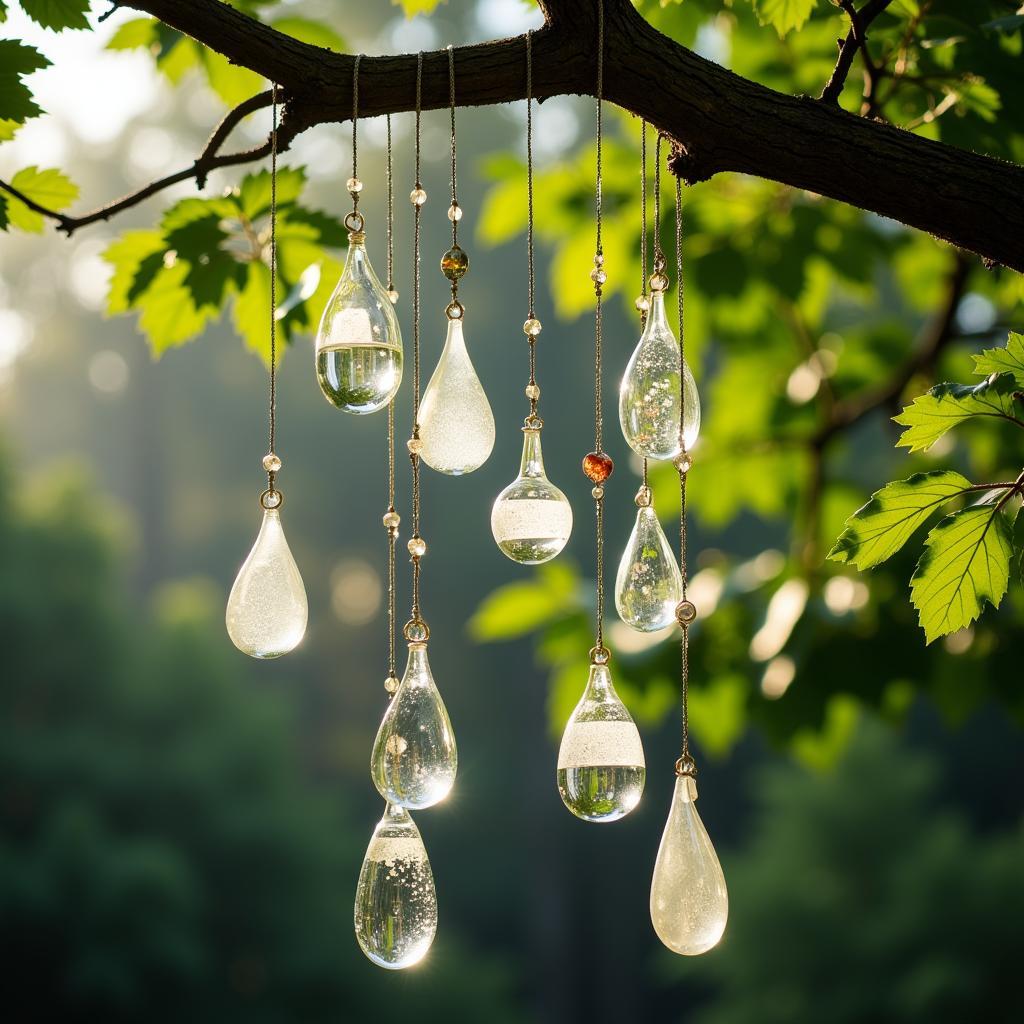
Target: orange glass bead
(454, 263)
(597, 467)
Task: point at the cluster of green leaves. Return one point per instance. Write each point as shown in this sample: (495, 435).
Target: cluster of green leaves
(967, 559)
(207, 252)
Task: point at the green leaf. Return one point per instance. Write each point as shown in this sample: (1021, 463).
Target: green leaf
(877, 530)
(139, 33)
(58, 14)
(784, 14)
(168, 314)
(966, 562)
(1003, 360)
(414, 7)
(254, 192)
(8, 128)
(17, 59)
(519, 608)
(49, 188)
(3, 12)
(316, 33)
(946, 405)
(250, 315)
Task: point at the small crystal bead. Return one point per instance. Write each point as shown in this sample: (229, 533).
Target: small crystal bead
(597, 467)
(599, 259)
(415, 445)
(392, 519)
(533, 392)
(642, 303)
(416, 632)
(658, 282)
(354, 185)
(391, 684)
(418, 196)
(271, 462)
(598, 492)
(643, 497)
(417, 547)
(454, 212)
(393, 295)
(598, 276)
(686, 612)
(683, 462)
(532, 327)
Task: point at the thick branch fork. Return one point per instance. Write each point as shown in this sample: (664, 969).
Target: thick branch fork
(718, 120)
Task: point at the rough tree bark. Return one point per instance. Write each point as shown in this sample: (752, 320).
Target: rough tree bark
(717, 120)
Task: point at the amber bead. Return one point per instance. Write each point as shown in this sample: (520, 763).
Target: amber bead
(598, 467)
(454, 263)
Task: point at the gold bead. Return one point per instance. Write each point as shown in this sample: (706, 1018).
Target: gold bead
(418, 196)
(392, 519)
(417, 547)
(686, 612)
(454, 212)
(598, 493)
(271, 462)
(532, 327)
(354, 185)
(683, 462)
(415, 445)
(391, 684)
(533, 392)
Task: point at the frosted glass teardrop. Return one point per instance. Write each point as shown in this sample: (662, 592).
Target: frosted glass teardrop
(414, 758)
(531, 519)
(648, 585)
(359, 343)
(456, 422)
(689, 901)
(649, 398)
(601, 768)
(267, 610)
(396, 905)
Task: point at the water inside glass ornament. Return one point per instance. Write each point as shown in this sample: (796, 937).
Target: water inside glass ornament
(601, 768)
(359, 343)
(689, 900)
(649, 398)
(531, 519)
(414, 757)
(267, 611)
(648, 585)
(456, 422)
(396, 904)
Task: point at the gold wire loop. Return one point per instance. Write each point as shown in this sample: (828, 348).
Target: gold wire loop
(600, 655)
(686, 767)
(455, 310)
(354, 222)
(532, 422)
(416, 631)
(271, 499)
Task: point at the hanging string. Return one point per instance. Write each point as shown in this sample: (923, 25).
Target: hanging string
(532, 325)
(391, 517)
(354, 219)
(643, 303)
(271, 463)
(451, 109)
(685, 611)
(392, 294)
(598, 275)
(416, 629)
(455, 262)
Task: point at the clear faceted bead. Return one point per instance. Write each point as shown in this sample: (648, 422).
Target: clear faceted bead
(418, 196)
(271, 463)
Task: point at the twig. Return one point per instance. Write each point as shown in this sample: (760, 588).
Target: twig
(856, 39)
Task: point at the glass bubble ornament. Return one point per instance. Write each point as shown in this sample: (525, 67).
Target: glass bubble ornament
(648, 585)
(531, 519)
(396, 904)
(689, 900)
(359, 342)
(267, 610)
(456, 422)
(414, 759)
(601, 768)
(650, 398)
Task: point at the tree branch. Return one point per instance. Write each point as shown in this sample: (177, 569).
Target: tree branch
(719, 121)
(856, 38)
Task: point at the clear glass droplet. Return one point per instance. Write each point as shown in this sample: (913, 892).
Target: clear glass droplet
(456, 422)
(601, 768)
(689, 901)
(359, 343)
(267, 610)
(396, 905)
(649, 399)
(531, 519)
(414, 759)
(648, 585)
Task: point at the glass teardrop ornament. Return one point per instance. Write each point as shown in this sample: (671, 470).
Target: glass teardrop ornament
(396, 905)
(456, 422)
(649, 398)
(648, 585)
(531, 519)
(601, 768)
(414, 758)
(267, 611)
(359, 343)
(689, 901)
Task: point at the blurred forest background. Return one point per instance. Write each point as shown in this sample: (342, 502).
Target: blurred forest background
(182, 827)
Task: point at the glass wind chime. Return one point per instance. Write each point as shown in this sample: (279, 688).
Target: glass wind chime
(457, 423)
(531, 519)
(414, 759)
(267, 610)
